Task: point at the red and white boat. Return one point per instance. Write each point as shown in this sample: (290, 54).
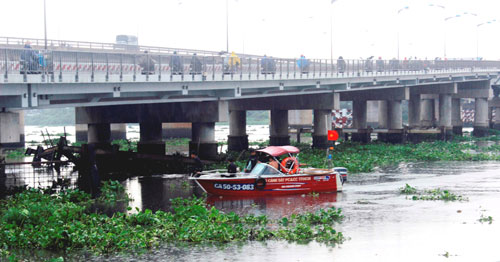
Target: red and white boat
(267, 180)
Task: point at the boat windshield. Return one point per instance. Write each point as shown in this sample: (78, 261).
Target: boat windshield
(264, 169)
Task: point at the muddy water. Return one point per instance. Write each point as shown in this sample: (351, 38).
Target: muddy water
(382, 225)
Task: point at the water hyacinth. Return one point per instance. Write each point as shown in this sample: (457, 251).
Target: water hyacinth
(64, 221)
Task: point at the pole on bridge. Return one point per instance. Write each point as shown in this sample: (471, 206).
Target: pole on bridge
(45, 23)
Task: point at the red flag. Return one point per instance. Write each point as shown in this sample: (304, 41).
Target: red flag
(333, 135)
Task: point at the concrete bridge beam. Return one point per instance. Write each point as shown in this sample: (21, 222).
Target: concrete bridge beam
(322, 123)
(279, 128)
(11, 130)
(238, 138)
(203, 140)
(456, 116)
(481, 117)
(150, 141)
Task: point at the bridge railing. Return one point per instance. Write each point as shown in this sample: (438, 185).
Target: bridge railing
(18, 64)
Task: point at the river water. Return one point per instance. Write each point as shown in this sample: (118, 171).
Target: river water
(381, 224)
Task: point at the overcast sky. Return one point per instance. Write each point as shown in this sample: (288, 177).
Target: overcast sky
(286, 28)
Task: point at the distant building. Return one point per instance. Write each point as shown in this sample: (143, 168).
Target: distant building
(127, 42)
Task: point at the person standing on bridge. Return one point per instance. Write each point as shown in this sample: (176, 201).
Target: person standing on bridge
(147, 64)
(341, 66)
(175, 64)
(195, 66)
(303, 64)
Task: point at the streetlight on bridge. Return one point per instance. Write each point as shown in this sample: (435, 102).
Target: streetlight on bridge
(477, 35)
(45, 23)
(448, 19)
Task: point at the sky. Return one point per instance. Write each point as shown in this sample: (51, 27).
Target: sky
(279, 28)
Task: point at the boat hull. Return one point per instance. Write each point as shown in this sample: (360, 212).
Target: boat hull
(273, 185)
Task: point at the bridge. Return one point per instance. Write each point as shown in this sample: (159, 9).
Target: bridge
(111, 84)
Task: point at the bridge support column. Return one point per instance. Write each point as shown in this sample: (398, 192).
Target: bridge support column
(81, 132)
(118, 131)
(99, 135)
(176, 130)
(427, 113)
(481, 117)
(359, 114)
(382, 114)
(456, 116)
(150, 141)
(279, 128)
(11, 130)
(445, 108)
(395, 122)
(496, 119)
(322, 123)
(238, 138)
(414, 111)
(203, 140)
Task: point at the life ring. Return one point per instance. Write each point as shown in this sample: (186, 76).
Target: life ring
(260, 183)
(287, 168)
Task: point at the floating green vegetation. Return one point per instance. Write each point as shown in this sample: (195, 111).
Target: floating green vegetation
(485, 219)
(64, 221)
(177, 142)
(408, 190)
(431, 194)
(15, 154)
(125, 145)
(358, 158)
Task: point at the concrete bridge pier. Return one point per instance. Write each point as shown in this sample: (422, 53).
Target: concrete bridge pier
(414, 110)
(150, 141)
(395, 122)
(481, 117)
(427, 113)
(445, 116)
(99, 134)
(279, 128)
(496, 119)
(203, 140)
(456, 116)
(359, 116)
(322, 123)
(118, 132)
(238, 138)
(11, 130)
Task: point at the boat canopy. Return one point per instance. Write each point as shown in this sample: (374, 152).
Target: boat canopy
(279, 150)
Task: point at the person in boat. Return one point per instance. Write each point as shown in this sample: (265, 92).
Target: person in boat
(252, 161)
(198, 165)
(272, 162)
(231, 168)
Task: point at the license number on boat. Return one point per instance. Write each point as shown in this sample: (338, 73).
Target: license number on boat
(236, 187)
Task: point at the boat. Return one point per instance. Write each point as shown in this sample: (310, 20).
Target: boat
(264, 180)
